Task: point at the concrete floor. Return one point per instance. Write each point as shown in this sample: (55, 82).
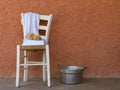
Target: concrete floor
(37, 84)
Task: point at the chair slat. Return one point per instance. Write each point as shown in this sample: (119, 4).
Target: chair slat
(43, 27)
(44, 17)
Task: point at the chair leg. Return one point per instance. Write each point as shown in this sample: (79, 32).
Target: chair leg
(44, 67)
(18, 66)
(25, 66)
(48, 65)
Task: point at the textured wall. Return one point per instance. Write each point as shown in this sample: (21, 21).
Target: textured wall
(84, 32)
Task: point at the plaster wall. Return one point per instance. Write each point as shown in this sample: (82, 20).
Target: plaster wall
(83, 32)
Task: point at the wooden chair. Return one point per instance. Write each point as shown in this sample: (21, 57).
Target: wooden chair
(45, 63)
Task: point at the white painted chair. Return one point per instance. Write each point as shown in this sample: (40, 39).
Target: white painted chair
(45, 63)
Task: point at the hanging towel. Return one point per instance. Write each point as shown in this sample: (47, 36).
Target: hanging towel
(30, 22)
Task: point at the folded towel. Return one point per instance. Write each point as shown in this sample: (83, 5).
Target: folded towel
(28, 42)
(30, 22)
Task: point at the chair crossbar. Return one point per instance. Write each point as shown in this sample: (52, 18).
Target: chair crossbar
(33, 64)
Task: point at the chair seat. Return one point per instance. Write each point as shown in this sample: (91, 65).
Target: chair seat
(42, 47)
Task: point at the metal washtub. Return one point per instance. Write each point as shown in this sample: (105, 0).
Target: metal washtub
(71, 74)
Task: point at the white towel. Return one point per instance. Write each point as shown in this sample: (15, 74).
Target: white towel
(30, 22)
(28, 42)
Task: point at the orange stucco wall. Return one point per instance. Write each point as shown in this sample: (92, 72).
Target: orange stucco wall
(83, 32)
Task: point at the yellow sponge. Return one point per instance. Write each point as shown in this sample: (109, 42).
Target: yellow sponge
(35, 37)
(32, 36)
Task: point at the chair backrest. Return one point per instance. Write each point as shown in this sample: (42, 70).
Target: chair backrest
(46, 27)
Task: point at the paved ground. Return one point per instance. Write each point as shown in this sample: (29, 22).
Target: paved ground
(37, 84)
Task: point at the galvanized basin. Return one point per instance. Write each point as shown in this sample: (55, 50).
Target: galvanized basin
(71, 74)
